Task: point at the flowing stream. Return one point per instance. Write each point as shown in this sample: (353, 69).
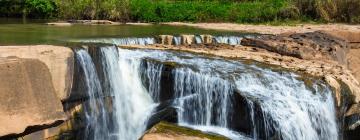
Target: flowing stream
(279, 104)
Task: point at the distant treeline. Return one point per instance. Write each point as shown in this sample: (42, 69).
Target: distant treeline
(241, 11)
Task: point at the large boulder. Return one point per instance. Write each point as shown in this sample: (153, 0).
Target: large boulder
(27, 96)
(59, 60)
(309, 46)
(169, 131)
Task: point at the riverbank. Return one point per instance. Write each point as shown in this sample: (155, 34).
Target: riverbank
(269, 29)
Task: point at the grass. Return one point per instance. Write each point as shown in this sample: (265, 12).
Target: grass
(205, 11)
(274, 12)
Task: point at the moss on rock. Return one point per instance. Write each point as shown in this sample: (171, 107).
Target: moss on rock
(173, 130)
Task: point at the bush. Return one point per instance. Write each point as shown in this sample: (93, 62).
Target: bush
(93, 9)
(330, 10)
(205, 11)
(40, 8)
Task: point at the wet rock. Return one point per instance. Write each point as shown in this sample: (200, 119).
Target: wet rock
(207, 39)
(59, 60)
(166, 39)
(169, 131)
(28, 98)
(166, 79)
(352, 120)
(313, 45)
(187, 39)
(164, 112)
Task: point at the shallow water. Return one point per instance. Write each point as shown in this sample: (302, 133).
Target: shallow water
(15, 32)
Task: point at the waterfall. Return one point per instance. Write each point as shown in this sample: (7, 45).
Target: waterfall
(132, 103)
(177, 40)
(123, 41)
(289, 107)
(94, 109)
(198, 39)
(152, 72)
(281, 106)
(210, 95)
(231, 40)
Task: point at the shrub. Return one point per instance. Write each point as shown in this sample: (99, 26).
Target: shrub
(330, 10)
(40, 8)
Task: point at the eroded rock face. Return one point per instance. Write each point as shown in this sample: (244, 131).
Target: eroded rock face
(309, 46)
(27, 96)
(59, 60)
(168, 131)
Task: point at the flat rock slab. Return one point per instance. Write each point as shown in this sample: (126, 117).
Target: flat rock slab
(59, 60)
(27, 96)
(309, 46)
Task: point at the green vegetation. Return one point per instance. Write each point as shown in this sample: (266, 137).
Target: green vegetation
(241, 11)
(173, 129)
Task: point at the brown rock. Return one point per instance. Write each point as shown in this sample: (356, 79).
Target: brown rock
(27, 96)
(207, 39)
(187, 39)
(59, 60)
(349, 36)
(166, 39)
(309, 46)
(353, 58)
(337, 88)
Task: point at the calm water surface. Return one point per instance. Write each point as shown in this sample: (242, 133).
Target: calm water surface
(26, 32)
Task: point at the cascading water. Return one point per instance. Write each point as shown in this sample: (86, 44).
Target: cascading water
(231, 40)
(132, 103)
(94, 109)
(293, 110)
(280, 105)
(198, 39)
(153, 73)
(209, 95)
(123, 41)
(177, 40)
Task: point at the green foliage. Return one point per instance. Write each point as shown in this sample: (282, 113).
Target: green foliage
(241, 11)
(40, 8)
(93, 9)
(11, 8)
(330, 10)
(205, 11)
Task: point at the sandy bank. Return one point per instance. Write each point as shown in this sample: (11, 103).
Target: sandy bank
(268, 29)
